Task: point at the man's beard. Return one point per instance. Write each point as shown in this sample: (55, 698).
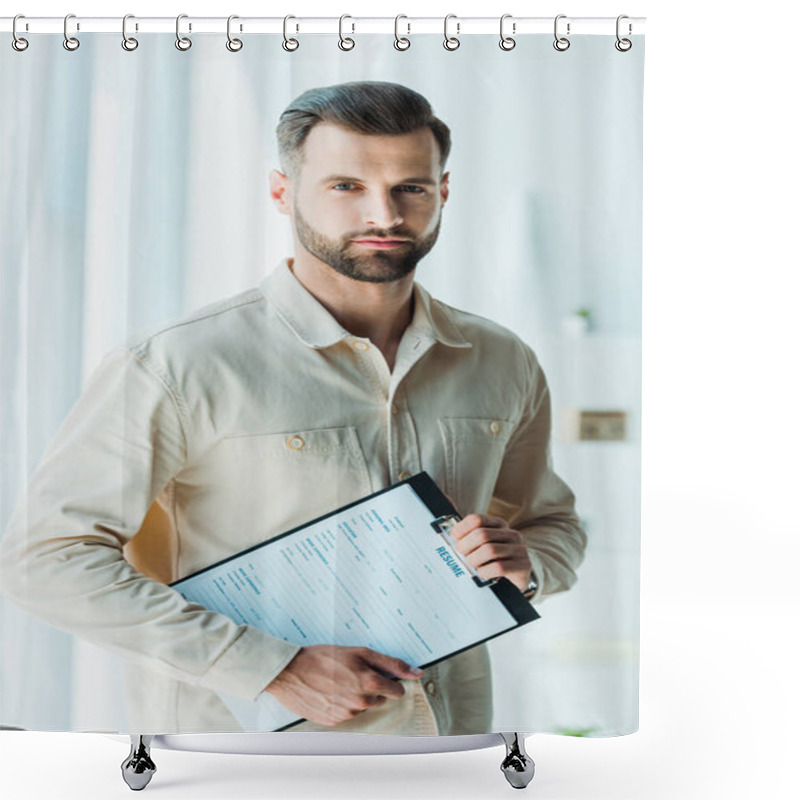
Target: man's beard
(375, 266)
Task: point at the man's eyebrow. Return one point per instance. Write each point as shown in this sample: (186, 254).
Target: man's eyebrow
(348, 179)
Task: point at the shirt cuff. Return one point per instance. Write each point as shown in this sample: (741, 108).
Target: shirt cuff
(250, 664)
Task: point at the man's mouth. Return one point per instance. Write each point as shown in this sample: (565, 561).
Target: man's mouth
(380, 244)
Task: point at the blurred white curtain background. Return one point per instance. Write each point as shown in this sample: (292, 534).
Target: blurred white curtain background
(134, 188)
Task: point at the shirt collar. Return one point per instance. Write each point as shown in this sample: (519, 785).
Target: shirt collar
(314, 325)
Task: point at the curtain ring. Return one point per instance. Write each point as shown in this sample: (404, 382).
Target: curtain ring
(623, 45)
(401, 43)
(561, 44)
(234, 45)
(70, 42)
(128, 42)
(18, 43)
(451, 42)
(181, 42)
(506, 42)
(290, 45)
(346, 43)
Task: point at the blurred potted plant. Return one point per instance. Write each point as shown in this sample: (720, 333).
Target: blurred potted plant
(578, 322)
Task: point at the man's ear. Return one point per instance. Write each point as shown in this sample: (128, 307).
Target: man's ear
(280, 190)
(445, 187)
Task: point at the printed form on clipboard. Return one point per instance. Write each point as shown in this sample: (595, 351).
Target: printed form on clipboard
(381, 572)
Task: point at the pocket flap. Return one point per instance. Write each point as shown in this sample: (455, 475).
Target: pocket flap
(297, 442)
(477, 428)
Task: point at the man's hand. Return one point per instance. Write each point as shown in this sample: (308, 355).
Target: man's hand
(330, 684)
(493, 549)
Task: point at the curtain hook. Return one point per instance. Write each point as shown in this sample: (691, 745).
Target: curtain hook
(623, 45)
(234, 45)
(506, 42)
(18, 43)
(401, 43)
(346, 43)
(70, 42)
(561, 44)
(451, 42)
(181, 42)
(290, 45)
(128, 42)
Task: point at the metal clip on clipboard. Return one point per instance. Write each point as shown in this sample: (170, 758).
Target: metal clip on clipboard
(442, 526)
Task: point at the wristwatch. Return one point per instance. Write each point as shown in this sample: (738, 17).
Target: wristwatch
(530, 591)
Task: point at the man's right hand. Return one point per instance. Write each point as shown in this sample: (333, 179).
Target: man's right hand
(330, 684)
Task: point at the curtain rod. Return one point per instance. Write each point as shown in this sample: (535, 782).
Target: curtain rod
(459, 26)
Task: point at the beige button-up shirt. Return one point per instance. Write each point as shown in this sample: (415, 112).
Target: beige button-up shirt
(234, 424)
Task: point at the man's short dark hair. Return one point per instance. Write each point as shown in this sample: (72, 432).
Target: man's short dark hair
(373, 107)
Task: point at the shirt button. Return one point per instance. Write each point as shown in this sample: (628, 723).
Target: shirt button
(403, 475)
(430, 688)
(357, 344)
(495, 426)
(295, 442)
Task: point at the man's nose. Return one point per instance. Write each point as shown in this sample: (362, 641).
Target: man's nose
(382, 211)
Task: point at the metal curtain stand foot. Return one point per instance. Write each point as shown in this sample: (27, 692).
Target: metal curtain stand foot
(517, 766)
(138, 768)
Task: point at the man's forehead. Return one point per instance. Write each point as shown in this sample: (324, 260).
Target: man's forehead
(328, 146)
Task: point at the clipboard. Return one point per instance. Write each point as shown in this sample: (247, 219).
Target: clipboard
(380, 572)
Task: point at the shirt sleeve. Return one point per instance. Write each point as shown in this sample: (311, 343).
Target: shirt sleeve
(533, 499)
(61, 557)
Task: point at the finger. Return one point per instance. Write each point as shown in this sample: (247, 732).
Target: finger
(494, 552)
(395, 667)
(464, 526)
(474, 521)
(494, 522)
(375, 700)
(483, 536)
(376, 683)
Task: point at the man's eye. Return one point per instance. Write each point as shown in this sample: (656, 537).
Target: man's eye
(407, 189)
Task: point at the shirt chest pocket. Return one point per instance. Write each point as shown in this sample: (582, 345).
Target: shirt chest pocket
(474, 448)
(277, 481)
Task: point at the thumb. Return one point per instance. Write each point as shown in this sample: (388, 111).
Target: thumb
(391, 666)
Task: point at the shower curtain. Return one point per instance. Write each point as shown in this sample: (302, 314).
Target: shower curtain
(203, 351)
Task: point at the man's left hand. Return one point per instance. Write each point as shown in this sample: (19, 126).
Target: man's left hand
(493, 549)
